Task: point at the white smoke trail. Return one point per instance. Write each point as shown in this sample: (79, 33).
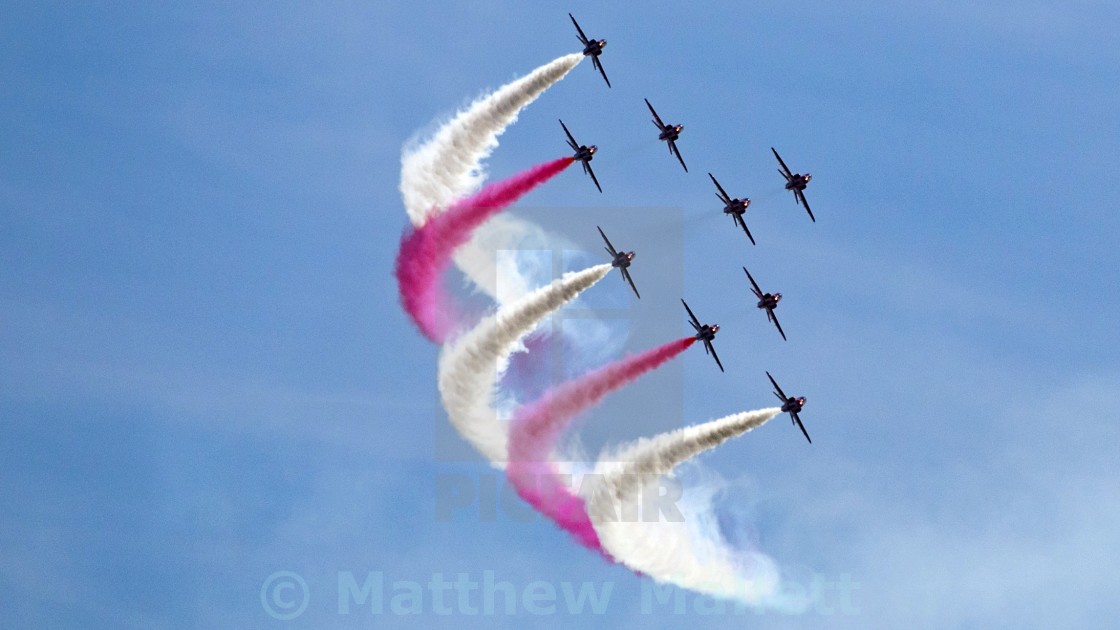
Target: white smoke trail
(470, 366)
(688, 552)
(448, 167)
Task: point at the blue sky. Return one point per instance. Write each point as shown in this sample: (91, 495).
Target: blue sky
(205, 377)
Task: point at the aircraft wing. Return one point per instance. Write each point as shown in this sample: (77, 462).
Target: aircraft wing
(805, 202)
(722, 193)
(656, 118)
(582, 37)
(626, 275)
(743, 224)
(797, 419)
(571, 141)
(754, 285)
(587, 167)
(774, 318)
(788, 173)
(599, 66)
(695, 322)
(610, 248)
(673, 149)
(778, 390)
(709, 346)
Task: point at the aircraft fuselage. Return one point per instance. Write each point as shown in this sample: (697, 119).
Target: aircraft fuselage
(672, 132)
(737, 206)
(585, 153)
(793, 405)
(707, 333)
(798, 181)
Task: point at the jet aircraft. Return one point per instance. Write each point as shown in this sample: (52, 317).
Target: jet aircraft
(621, 261)
(584, 154)
(592, 48)
(734, 207)
(705, 333)
(797, 183)
(668, 133)
(767, 301)
(790, 405)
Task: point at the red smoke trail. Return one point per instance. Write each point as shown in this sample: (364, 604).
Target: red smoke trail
(426, 252)
(537, 426)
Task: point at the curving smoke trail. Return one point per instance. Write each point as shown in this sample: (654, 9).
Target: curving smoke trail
(537, 427)
(690, 552)
(470, 366)
(447, 167)
(426, 252)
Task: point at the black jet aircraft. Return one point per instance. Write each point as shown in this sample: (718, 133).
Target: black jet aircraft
(797, 183)
(584, 154)
(768, 301)
(734, 207)
(705, 333)
(592, 48)
(790, 405)
(621, 261)
(668, 133)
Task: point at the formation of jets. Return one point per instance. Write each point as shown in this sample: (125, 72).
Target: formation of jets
(736, 208)
(670, 133)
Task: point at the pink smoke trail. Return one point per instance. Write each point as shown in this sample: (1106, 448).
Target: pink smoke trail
(426, 252)
(537, 426)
